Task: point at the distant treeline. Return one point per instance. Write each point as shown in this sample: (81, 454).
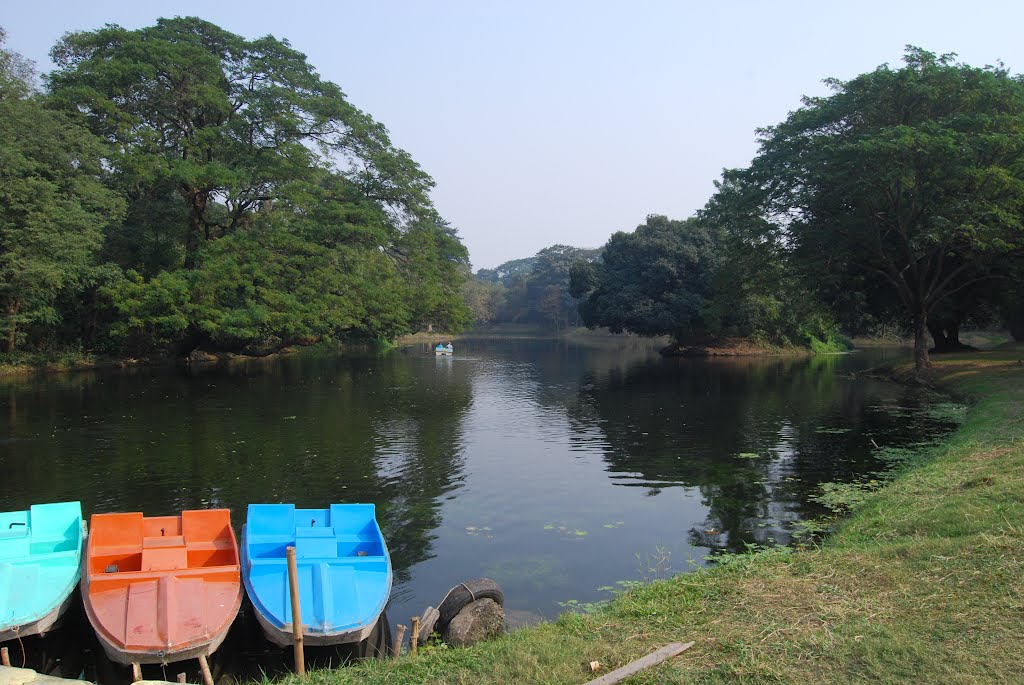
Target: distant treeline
(179, 187)
(534, 290)
(895, 204)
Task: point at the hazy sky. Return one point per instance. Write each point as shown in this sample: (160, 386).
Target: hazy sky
(562, 122)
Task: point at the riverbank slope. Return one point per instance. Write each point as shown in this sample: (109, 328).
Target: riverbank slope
(923, 583)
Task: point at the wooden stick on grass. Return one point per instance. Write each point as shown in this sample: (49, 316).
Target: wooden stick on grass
(652, 659)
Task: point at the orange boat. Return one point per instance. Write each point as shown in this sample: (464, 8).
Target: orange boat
(161, 588)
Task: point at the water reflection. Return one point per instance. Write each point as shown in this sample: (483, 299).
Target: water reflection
(309, 429)
(755, 436)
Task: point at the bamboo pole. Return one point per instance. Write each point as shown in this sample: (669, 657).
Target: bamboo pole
(204, 666)
(666, 652)
(414, 636)
(5, 656)
(136, 672)
(293, 586)
(396, 648)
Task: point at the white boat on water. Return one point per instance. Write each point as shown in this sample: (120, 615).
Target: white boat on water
(444, 350)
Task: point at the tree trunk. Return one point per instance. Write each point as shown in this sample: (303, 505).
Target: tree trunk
(921, 360)
(196, 200)
(946, 334)
(953, 336)
(12, 330)
(938, 335)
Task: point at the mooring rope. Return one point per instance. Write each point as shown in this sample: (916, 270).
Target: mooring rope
(448, 594)
(17, 634)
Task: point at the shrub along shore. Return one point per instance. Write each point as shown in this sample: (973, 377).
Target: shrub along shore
(923, 583)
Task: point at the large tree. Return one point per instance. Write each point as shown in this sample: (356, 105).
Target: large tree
(757, 292)
(654, 281)
(435, 265)
(264, 208)
(225, 122)
(53, 203)
(912, 176)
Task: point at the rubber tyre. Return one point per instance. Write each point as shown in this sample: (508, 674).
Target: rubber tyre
(377, 644)
(459, 597)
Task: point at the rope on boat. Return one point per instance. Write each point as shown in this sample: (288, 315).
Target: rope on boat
(21, 644)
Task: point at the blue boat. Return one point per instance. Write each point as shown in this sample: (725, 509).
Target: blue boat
(40, 565)
(343, 566)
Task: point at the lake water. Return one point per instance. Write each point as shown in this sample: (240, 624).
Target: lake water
(557, 468)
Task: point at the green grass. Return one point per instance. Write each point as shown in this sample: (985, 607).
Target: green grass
(924, 583)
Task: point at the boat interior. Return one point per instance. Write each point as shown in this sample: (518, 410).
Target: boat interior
(123, 547)
(344, 573)
(45, 529)
(344, 531)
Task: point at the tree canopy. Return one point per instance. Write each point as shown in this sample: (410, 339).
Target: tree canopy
(261, 208)
(912, 177)
(530, 290)
(229, 124)
(654, 281)
(53, 205)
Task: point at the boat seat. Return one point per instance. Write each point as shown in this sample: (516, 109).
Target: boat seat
(275, 538)
(13, 548)
(15, 532)
(209, 544)
(164, 558)
(319, 547)
(276, 519)
(163, 541)
(42, 556)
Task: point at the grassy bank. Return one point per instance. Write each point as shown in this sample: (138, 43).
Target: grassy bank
(24, 364)
(922, 584)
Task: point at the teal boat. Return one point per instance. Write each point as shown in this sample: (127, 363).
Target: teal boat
(343, 566)
(40, 564)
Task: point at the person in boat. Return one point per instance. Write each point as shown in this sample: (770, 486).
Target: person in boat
(449, 348)
(440, 347)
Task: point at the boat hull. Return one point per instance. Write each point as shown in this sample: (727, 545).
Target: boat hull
(40, 553)
(51, 621)
(155, 598)
(286, 637)
(344, 571)
(118, 652)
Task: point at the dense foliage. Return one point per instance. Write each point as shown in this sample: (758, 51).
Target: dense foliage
(654, 281)
(898, 198)
(222, 196)
(910, 178)
(534, 290)
(710, 277)
(53, 206)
